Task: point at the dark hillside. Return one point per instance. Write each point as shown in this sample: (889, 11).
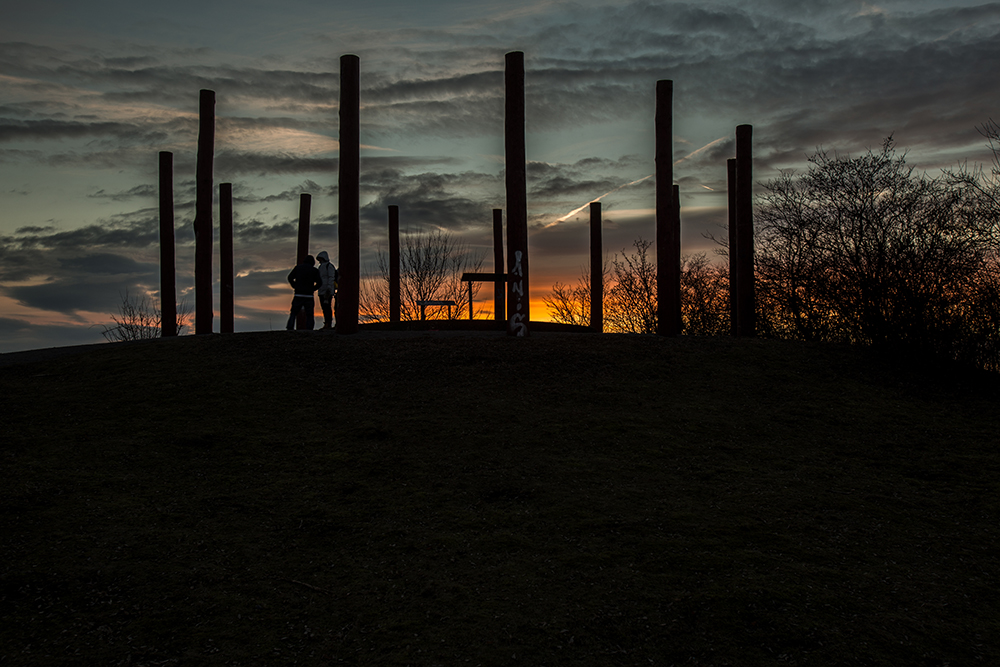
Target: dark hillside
(443, 498)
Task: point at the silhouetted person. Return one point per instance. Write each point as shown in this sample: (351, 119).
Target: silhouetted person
(330, 276)
(305, 280)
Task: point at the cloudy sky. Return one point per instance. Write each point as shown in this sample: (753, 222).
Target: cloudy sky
(90, 92)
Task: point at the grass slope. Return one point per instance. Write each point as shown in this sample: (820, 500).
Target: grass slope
(288, 498)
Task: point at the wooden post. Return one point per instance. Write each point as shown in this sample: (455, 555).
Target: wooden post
(168, 281)
(675, 225)
(203, 311)
(349, 215)
(305, 209)
(747, 307)
(668, 252)
(500, 285)
(395, 303)
(302, 249)
(470, 301)
(733, 247)
(227, 305)
(518, 294)
(596, 269)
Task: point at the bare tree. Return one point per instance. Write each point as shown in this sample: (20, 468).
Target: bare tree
(630, 305)
(704, 296)
(139, 319)
(570, 304)
(865, 250)
(431, 268)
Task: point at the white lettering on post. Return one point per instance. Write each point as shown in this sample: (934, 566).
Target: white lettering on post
(517, 324)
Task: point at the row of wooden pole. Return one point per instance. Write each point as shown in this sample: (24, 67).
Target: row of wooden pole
(203, 232)
(513, 302)
(204, 314)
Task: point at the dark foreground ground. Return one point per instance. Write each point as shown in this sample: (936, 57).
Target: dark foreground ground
(447, 499)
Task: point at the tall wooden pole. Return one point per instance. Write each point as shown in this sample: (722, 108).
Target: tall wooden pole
(227, 302)
(668, 252)
(675, 223)
(395, 302)
(596, 269)
(518, 291)
(747, 307)
(305, 209)
(302, 249)
(500, 284)
(349, 215)
(203, 311)
(733, 247)
(168, 281)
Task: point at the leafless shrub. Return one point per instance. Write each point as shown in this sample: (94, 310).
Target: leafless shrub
(570, 304)
(631, 298)
(139, 319)
(630, 304)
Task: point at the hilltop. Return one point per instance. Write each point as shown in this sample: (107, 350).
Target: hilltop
(442, 498)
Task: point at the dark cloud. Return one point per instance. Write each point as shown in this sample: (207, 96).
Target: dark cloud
(258, 284)
(17, 264)
(11, 326)
(257, 231)
(234, 163)
(70, 295)
(76, 282)
(163, 75)
(98, 264)
(309, 187)
(441, 88)
(598, 65)
(582, 181)
(15, 156)
(135, 229)
(27, 130)
(431, 200)
(146, 191)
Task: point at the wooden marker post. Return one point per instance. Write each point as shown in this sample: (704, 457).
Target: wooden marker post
(203, 311)
(168, 280)
(596, 269)
(302, 244)
(301, 250)
(227, 304)
(668, 251)
(747, 307)
(349, 215)
(518, 291)
(395, 302)
(500, 284)
(733, 247)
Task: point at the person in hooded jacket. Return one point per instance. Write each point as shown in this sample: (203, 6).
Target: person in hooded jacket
(330, 276)
(305, 280)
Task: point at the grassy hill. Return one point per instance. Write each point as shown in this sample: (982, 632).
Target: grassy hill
(447, 499)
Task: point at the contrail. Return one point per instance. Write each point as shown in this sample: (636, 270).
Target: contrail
(700, 150)
(575, 211)
(686, 157)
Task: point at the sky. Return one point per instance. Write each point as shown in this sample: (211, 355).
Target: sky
(91, 92)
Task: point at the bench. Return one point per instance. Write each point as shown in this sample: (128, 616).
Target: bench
(434, 302)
